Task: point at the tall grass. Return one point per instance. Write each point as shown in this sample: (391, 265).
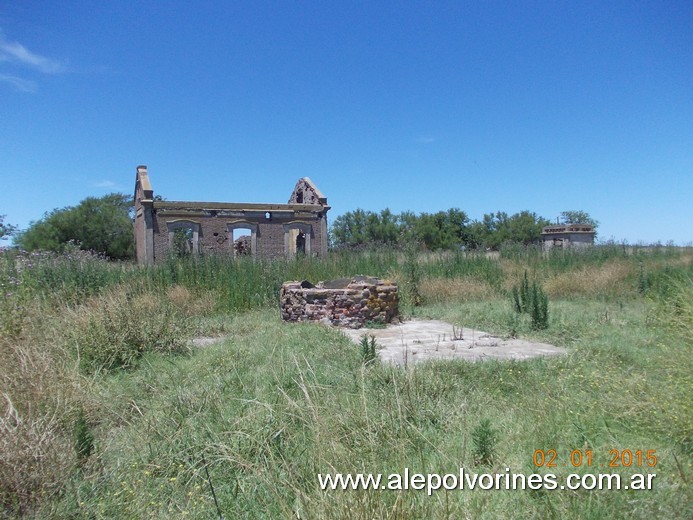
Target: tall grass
(274, 405)
(70, 276)
(241, 284)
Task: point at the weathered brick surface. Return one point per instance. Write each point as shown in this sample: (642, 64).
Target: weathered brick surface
(350, 303)
(274, 228)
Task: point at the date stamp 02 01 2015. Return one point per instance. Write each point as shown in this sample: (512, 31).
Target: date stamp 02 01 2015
(578, 458)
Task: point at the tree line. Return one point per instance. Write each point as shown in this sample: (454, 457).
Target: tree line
(104, 225)
(451, 229)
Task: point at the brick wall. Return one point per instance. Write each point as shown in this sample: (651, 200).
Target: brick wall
(347, 303)
(274, 227)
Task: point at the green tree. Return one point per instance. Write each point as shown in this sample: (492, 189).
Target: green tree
(407, 224)
(441, 230)
(365, 228)
(525, 227)
(499, 228)
(348, 230)
(97, 224)
(489, 232)
(6, 229)
(449, 229)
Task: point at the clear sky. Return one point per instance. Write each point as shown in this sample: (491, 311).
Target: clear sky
(421, 106)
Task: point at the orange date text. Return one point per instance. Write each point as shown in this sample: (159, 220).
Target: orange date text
(577, 458)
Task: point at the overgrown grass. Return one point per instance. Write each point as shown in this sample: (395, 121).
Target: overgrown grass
(276, 404)
(241, 284)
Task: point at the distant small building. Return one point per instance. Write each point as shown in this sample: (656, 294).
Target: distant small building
(568, 235)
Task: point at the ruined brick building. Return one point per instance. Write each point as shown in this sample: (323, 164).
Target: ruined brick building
(267, 231)
(568, 235)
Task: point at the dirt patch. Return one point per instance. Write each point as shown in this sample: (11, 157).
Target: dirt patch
(422, 340)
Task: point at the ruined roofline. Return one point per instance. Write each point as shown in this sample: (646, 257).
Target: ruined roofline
(318, 193)
(178, 205)
(574, 231)
(568, 228)
(143, 179)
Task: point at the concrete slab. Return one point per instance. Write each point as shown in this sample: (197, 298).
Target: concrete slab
(422, 340)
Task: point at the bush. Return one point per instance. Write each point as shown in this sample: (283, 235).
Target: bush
(368, 349)
(484, 439)
(95, 224)
(521, 296)
(412, 276)
(116, 330)
(531, 300)
(539, 309)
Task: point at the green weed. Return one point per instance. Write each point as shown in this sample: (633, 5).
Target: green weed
(484, 439)
(84, 438)
(368, 349)
(531, 300)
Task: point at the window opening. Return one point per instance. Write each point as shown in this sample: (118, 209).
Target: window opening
(297, 239)
(183, 241)
(183, 238)
(301, 243)
(242, 243)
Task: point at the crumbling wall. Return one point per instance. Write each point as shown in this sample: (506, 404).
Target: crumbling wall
(241, 246)
(276, 230)
(306, 192)
(348, 302)
(568, 235)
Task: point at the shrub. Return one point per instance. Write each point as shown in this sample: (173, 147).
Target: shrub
(484, 439)
(539, 309)
(531, 300)
(412, 275)
(116, 330)
(368, 349)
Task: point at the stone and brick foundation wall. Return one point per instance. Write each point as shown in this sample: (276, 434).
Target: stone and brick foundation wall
(347, 302)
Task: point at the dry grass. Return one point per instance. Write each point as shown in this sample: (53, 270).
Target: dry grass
(608, 279)
(41, 388)
(443, 290)
(36, 393)
(612, 278)
(512, 274)
(35, 455)
(189, 303)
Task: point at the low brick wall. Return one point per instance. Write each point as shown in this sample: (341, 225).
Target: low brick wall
(347, 302)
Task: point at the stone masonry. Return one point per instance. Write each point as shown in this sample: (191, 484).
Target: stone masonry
(567, 236)
(347, 302)
(271, 231)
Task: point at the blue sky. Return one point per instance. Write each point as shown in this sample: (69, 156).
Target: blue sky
(421, 106)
